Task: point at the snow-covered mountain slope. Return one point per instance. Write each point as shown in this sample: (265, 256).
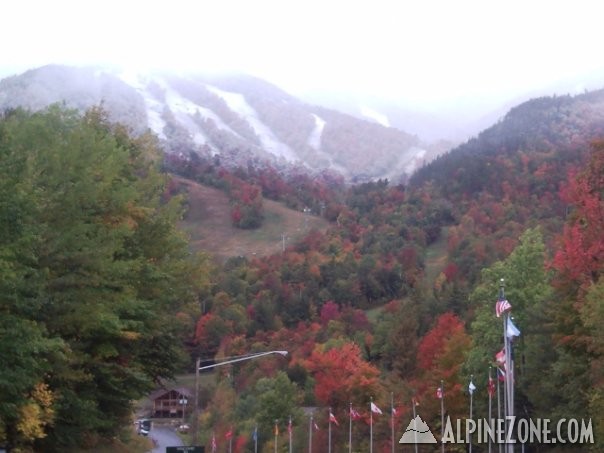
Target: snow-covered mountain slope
(237, 117)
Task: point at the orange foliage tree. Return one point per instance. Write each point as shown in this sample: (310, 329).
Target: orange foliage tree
(342, 375)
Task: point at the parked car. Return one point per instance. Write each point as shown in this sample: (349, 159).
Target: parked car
(143, 426)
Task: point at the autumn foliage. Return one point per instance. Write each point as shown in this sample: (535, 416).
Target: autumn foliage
(342, 375)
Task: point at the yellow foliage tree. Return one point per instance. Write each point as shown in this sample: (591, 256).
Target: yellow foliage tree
(36, 414)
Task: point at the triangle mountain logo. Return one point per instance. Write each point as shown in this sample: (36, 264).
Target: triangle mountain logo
(417, 433)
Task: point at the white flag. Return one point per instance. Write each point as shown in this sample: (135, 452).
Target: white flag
(471, 388)
(512, 331)
(375, 409)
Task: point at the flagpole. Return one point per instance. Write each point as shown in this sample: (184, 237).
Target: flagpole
(509, 368)
(509, 378)
(508, 375)
(414, 424)
(498, 406)
(310, 434)
(511, 409)
(392, 422)
(471, 408)
(490, 385)
(256, 439)
(371, 426)
(289, 432)
(442, 415)
(329, 431)
(350, 428)
(506, 363)
(231, 444)
(504, 394)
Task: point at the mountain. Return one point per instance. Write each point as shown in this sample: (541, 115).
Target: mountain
(449, 121)
(510, 177)
(234, 116)
(546, 130)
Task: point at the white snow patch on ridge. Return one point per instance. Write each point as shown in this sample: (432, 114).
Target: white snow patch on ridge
(237, 103)
(153, 106)
(180, 104)
(314, 140)
(378, 117)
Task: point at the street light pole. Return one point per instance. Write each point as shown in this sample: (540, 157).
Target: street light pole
(183, 402)
(196, 411)
(242, 358)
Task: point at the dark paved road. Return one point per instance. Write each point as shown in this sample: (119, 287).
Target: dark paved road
(164, 437)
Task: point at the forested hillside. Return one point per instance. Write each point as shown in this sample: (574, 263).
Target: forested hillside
(513, 203)
(395, 298)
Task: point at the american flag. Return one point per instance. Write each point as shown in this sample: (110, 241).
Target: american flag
(502, 306)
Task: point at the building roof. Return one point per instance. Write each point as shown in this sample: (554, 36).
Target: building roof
(161, 392)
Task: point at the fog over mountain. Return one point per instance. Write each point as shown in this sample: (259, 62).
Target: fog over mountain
(234, 116)
(239, 117)
(451, 121)
(435, 69)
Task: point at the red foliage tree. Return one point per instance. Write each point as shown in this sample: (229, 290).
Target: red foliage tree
(330, 310)
(341, 375)
(580, 257)
(441, 354)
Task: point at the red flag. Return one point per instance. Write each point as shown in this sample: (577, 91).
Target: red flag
(491, 386)
(332, 419)
(354, 414)
(439, 393)
(229, 434)
(500, 358)
(501, 307)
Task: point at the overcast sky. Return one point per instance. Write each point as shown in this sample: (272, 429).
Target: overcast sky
(426, 52)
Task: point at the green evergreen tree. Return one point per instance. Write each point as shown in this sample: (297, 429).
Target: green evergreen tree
(97, 273)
